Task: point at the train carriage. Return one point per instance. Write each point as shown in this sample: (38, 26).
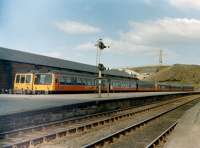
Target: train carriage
(66, 82)
(164, 87)
(188, 88)
(63, 82)
(146, 86)
(117, 85)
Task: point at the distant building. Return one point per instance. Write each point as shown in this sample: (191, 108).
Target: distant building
(144, 75)
(12, 61)
(131, 72)
(135, 74)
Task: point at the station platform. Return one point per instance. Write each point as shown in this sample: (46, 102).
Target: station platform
(10, 104)
(187, 132)
(23, 111)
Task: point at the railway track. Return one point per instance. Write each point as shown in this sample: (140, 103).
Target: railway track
(162, 136)
(80, 119)
(111, 140)
(82, 124)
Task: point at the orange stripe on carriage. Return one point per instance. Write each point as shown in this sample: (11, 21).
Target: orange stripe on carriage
(75, 88)
(123, 89)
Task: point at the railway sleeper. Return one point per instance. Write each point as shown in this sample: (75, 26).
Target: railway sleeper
(37, 141)
(72, 131)
(50, 137)
(71, 121)
(62, 134)
(54, 136)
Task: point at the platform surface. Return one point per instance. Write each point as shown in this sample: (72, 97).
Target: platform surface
(187, 132)
(10, 104)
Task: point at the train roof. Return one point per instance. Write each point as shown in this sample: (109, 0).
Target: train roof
(175, 84)
(31, 58)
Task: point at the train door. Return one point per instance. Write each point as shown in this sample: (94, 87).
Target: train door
(29, 83)
(22, 85)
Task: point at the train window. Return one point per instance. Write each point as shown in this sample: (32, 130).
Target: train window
(68, 80)
(28, 78)
(22, 79)
(82, 81)
(43, 79)
(93, 82)
(87, 81)
(62, 80)
(73, 80)
(120, 84)
(17, 78)
(79, 80)
(90, 82)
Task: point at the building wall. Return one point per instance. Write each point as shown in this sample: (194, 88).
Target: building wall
(8, 70)
(5, 74)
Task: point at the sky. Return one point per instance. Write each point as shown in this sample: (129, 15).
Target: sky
(135, 30)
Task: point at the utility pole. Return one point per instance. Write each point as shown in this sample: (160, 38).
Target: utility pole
(161, 57)
(100, 46)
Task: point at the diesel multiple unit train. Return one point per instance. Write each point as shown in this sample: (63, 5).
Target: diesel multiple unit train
(68, 82)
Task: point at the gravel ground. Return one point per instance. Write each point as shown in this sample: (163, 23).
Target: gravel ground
(35, 134)
(187, 132)
(81, 139)
(142, 137)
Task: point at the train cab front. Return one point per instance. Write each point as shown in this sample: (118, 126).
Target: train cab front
(23, 83)
(43, 83)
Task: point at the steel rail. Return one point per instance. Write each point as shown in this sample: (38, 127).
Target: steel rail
(162, 136)
(83, 127)
(78, 119)
(110, 138)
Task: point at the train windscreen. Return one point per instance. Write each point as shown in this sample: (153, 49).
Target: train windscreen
(43, 79)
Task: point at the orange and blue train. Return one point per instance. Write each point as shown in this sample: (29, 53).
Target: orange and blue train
(70, 82)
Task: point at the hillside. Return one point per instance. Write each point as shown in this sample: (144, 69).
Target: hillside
(178, 73)
(149, 69)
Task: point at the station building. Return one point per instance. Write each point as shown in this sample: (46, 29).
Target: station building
(13, 61)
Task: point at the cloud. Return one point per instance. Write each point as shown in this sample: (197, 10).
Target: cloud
(185, 4)
(72, 27)
(164, 32)
(146, 38)
(86, 46)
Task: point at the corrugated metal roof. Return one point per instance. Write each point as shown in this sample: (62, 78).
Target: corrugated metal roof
(30, 58)
(25, 57)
